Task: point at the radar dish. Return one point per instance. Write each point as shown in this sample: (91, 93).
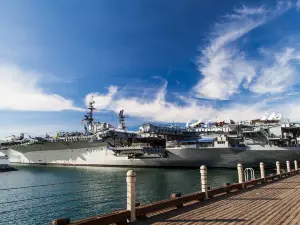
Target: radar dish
(277, 117)
(271, 117)
(264, 117)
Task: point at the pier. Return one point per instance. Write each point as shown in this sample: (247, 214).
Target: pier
(272, 199)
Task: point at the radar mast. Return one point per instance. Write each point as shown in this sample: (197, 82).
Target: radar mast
(89, 114)
(121, 124)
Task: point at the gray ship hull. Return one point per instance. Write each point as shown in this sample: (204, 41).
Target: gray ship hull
(176, 157)
(230, 157)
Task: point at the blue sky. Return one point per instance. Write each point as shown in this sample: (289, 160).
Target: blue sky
(161, 61)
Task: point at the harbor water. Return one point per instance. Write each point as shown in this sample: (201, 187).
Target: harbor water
(38, 194)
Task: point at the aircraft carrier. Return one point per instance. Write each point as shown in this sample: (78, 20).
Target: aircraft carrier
(215, 143)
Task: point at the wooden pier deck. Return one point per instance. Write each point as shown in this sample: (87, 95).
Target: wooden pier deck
(275, 203)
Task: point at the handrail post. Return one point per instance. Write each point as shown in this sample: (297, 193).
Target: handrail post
(278, 167)
(288, 166)
(131, 194)
(240, 174)
(296, 164)
(262, 170)
(203, 172)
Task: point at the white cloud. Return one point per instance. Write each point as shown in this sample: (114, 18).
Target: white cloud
(281, 75)
(298, 4)
(20, 90)
(161, 110)
(224, 73)
(102, 101)
(222, 64)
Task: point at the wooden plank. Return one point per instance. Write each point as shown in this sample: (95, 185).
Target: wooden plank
(281, 208)
(260, 208)
(267, 211)
(234, 209)
(118, 217)
(264, 210)
(296, 218)
(214, 208)
(293, 211)
(275, 203)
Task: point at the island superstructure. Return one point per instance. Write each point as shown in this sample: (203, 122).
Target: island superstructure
(217, 143)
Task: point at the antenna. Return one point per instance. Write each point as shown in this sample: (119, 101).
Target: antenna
(89, 115)
(121, 124)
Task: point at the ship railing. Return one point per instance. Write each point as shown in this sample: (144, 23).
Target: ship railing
(71, 138)
(136, 148)
(126, 148)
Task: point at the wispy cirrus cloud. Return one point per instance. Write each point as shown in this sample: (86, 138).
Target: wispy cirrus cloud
(281, 75)
(20, 90)
(223, 65)
(293, 93)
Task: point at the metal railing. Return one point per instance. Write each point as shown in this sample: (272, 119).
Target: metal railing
(247, 175)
